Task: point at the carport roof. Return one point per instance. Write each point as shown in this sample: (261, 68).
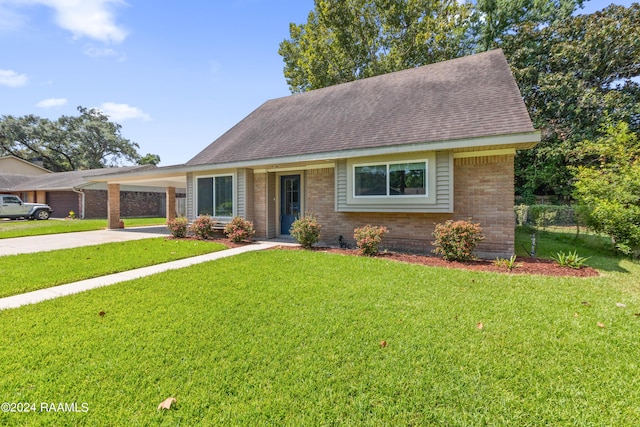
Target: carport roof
(61, 181)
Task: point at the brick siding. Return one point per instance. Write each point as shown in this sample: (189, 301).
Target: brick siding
(132, 204)
(483, 193)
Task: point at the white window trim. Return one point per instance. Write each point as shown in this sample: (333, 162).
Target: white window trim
(387, 184)
(233, 193)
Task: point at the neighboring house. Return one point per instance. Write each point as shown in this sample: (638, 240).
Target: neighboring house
(74, 191)
(14, 171)
(406, 150)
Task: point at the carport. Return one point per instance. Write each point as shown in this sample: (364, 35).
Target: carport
(172, 178)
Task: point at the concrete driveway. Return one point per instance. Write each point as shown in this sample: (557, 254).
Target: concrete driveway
(49, 242)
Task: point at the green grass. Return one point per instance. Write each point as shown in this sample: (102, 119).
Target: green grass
(23, 228)
(293, 338)
(29, 272)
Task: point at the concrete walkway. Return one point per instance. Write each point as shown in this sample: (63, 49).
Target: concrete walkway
(50, 242)
(70, 240)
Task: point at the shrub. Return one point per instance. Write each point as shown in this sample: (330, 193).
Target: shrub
(202, 227)
(178, 227)
(509, 264)
(368, 238)
(571, 259)
(239, 229)
(456, 240)
(306, 231)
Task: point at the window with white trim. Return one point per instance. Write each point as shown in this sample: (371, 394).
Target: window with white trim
(215, 196)
(390, 179)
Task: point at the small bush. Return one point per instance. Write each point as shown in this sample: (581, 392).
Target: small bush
(239, 229)
(509, 264)
(202, 227)
(178, 227)
(306, 231)
(571, 259)
(456, 240)
(368, 238)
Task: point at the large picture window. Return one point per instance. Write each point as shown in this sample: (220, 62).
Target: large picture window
(215, 196)
(391, 179)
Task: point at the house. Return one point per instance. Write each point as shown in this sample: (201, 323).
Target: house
(406, 150)
(14, 170)
(74, 191)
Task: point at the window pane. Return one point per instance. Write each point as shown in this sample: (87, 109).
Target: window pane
(205, 196)
(407, 179)
(371, 180)
(224, 196)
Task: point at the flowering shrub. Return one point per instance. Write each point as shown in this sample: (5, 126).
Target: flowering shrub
(202, 227)
(456, 240)
(306, 231)
(239, 229)
(178, 227)
(368, 238)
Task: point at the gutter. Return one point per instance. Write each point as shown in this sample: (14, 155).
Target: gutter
(82, 210)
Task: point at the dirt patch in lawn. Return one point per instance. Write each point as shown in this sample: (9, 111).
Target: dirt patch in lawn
(525, 265)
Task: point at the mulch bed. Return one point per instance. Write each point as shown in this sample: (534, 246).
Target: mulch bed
(525, 265)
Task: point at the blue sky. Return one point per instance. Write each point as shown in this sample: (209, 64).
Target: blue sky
(175, 75)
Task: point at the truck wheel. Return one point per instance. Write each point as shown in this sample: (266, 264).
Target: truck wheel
(41, 214)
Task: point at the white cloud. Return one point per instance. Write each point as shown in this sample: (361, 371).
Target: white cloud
(52, 102)
(12, 79)
(85, 18)
(96, 52)
(119, 112)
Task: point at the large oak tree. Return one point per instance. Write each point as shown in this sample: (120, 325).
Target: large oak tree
(87, 141)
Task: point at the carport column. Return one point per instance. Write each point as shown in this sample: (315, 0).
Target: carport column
(171, 203)
(113, 206)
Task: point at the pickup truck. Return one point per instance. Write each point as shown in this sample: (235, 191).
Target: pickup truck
(12, 207)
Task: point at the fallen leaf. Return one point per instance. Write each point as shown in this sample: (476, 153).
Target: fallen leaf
(586, 303)
(600, 325)
(637, 314)
(166, 404)
(621, 305)
(480, 325)
(101, 314)
(383, 343)
(575, 314)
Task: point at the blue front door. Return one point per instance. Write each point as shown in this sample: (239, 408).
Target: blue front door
(289, 201)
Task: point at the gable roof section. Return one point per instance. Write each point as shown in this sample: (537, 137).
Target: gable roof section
(471, 97)
(16, 165)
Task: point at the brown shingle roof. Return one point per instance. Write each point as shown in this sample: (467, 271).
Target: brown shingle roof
(474, 96)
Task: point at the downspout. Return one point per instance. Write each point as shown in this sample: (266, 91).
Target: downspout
(82, 203)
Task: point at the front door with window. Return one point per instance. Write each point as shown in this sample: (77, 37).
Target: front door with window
(289, 201)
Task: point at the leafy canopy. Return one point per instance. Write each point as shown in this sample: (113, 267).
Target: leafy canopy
(87, 141)
(608, 185)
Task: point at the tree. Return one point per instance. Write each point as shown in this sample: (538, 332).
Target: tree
(345, 40)
(86, 141)
(494, 19)
(608, 185)
(573, 74)
(149, 159)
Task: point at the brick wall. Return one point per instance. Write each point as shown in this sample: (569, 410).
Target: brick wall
(259, 216)
(132, 204)
(483, 192)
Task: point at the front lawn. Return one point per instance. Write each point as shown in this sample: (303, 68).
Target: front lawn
(296, 338)
(30, 272)
(9, 229)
